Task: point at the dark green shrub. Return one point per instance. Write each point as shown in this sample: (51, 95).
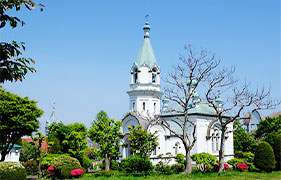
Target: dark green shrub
(162, 168)
(251, 167)
(66, 170)
(205, 162)
(180, 159)
(113, 165)
(177, 168)
(248, 156)
(11, 171)
(234, 162)
(64, 161)
(277, 151)
(85, 162)
(264, 157)
(31, 166)
(136, 164)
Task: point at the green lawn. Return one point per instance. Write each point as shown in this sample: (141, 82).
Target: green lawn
(228, 175)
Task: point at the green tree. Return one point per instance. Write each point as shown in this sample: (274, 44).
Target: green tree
(76, 143)
(106, 132)
(268, 129)
(242, 140)
(277, 151)
(18, 117)
(141, 141)
(27, 152)
(264, 157)
(37, 144)
(12, 65)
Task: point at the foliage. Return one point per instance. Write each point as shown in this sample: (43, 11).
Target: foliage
(77, 173)
(247, 156)
(177, 168)
(243, 141)
(217, 165)
(13, 66)
(264, 157)
(242, 167)
(19, 117)
(234, 162)
(27, 152)
(180, 159)
(268, 129)
(91, 153)
(48, 159)
(142, 142)
(162, 168)
(64, 161)
(106, 133)
(136, 163)
(12, 170)
(277, 151)
(31, 166)
(204, 161)
(66, 171)
(54, 146)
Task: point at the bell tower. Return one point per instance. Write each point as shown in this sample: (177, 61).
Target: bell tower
(144, 90)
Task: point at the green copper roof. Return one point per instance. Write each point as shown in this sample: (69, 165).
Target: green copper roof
(146, 55)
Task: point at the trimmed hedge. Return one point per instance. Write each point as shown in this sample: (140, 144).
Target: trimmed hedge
(12, 170)
(66, 170)
(135, 164)
(264, 157)
(177, 168)
(277, 151)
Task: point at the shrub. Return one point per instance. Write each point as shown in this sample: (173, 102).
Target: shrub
(177, 168)
(64, 161)
(234, 162)
(277, 151)
(252, 167)
(12, 170)
(180, 159)
(217, 166)
(66, 171)
(204, 161)
(85, 162)
(136, 163)
(248, 156)
(31, 166)
(242, 167)
(48, 159)
(264, 157)
(77, 173)
(162, 168)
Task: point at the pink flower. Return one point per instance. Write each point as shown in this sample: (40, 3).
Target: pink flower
(226, 167)
(76, 172)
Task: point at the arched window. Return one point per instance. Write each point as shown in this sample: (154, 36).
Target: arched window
(215, 141)
(177, 146)
(135, 75)
(154, 73)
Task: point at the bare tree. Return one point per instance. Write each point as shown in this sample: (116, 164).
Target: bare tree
(193, 69)
(239, 96)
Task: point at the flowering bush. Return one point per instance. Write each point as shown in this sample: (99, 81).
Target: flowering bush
(51, 170)
(242, 167)
(217, 166)
(76, 172)
(12, 170)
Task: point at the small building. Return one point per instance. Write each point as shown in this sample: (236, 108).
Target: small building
(14, 154)
(252, 120)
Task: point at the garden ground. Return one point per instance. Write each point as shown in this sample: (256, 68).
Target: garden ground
(228, 175)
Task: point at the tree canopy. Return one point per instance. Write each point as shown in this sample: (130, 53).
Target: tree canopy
(269, 129)
(19, 117)
(142, 142)
(106, 132)
(13, 66)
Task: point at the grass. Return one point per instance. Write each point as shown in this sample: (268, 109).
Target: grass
(228, 175)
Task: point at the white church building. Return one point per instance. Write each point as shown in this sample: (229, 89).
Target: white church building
(144, 101)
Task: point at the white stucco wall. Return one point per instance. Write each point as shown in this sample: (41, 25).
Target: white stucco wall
(13, 155)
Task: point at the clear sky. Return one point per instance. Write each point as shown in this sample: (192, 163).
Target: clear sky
(84, 49)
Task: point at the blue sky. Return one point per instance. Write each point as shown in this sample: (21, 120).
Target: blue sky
(84, 52)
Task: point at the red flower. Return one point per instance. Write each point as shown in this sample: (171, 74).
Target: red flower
(51, 170)
(226, 167)
(242, 167)
(76, 172)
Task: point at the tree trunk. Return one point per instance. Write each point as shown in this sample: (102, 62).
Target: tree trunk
(221, 152)
(39, 163)
(3, 155)
(107, 162)
(188, 168)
